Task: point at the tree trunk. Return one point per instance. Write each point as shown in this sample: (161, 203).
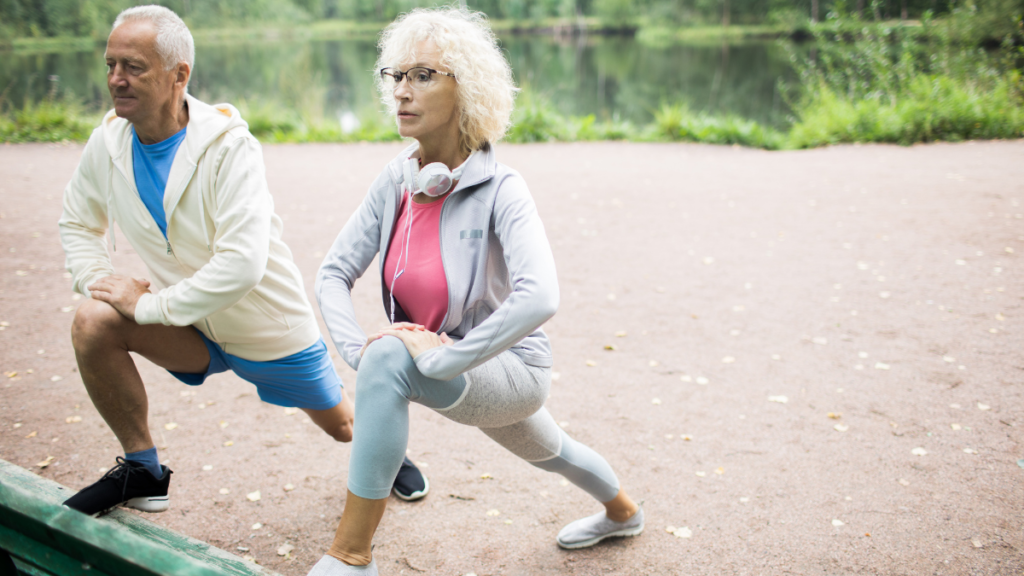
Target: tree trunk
(725, 13)
(860, 9)
(903, 10)
(814, 11)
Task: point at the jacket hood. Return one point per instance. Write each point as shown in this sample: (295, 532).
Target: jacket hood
(206, 123)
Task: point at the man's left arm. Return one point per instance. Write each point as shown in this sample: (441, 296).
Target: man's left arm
(241, 209)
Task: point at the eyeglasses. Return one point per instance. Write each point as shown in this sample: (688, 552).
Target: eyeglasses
(419, 77)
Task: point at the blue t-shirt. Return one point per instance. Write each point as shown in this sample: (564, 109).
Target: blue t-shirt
(152, 165)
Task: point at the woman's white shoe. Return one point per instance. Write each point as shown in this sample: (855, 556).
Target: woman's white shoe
(331, 566)
(592, 529)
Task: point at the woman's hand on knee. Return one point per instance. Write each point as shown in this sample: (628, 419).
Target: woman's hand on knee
(419, 341)
(393, 327)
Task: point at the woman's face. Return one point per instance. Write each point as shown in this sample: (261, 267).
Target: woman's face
(430, 112)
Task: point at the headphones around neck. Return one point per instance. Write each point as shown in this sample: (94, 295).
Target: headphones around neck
(433, 179)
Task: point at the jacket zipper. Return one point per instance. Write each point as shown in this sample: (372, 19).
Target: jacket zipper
(138, 197)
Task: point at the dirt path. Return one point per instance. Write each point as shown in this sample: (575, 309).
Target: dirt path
(879, 285)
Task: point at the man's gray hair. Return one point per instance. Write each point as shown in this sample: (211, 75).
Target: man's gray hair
(173, 39)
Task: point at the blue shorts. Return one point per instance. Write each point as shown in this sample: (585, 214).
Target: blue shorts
(303, 380)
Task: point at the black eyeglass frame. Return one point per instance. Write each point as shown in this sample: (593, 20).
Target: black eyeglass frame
(398, 75)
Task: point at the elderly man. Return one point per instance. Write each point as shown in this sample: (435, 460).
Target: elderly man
(185, 182)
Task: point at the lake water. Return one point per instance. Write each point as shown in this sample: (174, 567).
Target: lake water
(608, 76)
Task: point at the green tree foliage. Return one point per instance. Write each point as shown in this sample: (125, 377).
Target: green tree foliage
(92, 18)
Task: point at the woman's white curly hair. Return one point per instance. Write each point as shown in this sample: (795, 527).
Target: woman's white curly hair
(469, 49)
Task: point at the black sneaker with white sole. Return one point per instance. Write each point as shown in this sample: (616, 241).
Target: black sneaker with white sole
(129, 483)
(410, 484)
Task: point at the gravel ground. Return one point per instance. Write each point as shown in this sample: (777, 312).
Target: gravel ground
(802, 362)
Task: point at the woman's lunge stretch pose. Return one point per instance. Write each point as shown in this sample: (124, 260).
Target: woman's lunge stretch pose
(468, 278)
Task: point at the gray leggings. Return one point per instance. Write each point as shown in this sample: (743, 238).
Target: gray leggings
(503, 397)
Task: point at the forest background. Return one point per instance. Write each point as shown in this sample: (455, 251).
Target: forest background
(865, 70)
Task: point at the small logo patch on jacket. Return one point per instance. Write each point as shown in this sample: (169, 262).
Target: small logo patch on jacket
(471, 234)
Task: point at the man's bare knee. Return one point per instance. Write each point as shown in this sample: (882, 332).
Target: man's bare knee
(95, 321)
(342, 433)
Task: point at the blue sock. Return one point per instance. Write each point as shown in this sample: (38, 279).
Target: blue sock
(148, 459)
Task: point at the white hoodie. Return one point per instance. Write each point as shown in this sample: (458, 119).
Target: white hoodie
(223, 267)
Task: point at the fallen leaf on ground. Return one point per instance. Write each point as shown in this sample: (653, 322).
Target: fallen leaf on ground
(881, 366)
(686, 378)
(949, 359)
(687, 437)
(702, 380)
(620, 334)
(841, 427)
(224, 491)
(289, 487)
(683, 532)
(701, 473)
(45, 463)
(32, 434)
(229, 443)
(73, 419)
(285, 549)
(11, 374)
(835, 415)
(609, 347)
(253, 496)
(223, 424)
(983, 406)
(56, 378)
(257, 526)
(719, 470)
(290, 411)
(955, 426)
(208, 467)
(838, 523)
(486, 476)
(904, 482)
(919, 452)
(976, 542)
(779, 399)
(656, 401)
(970, 451)
(652, 363)
(170, 426)
(493, 513)
(591, 363)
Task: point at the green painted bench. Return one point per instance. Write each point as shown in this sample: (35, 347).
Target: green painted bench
(38, 536)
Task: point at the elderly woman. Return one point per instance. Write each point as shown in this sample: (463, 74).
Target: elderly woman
(468, 279)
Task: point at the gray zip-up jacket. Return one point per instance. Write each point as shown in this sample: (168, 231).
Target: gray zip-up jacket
(500, 270)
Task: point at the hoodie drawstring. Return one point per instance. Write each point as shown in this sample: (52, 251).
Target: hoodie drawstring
(110, 212)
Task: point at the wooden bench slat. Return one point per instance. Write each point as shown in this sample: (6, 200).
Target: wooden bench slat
(119, 543)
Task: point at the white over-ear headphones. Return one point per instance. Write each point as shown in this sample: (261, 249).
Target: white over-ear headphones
(433, 180)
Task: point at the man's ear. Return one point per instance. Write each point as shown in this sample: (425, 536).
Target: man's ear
(182, 74)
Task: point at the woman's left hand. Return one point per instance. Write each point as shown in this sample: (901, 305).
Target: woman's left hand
(419, 341)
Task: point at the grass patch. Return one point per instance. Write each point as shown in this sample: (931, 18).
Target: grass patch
(51, 120)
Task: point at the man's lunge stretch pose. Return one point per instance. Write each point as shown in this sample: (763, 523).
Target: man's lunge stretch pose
(185, 183)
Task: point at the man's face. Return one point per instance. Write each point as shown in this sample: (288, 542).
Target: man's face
(136, 77)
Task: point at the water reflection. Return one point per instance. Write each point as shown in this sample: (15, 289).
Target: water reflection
(610, 77)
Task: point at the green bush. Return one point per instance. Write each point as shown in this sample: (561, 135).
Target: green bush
(51, 120)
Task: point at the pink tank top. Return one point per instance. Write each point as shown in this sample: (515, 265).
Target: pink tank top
(422, 290)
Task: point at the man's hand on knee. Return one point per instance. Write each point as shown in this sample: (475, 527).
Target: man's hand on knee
(121, 292)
